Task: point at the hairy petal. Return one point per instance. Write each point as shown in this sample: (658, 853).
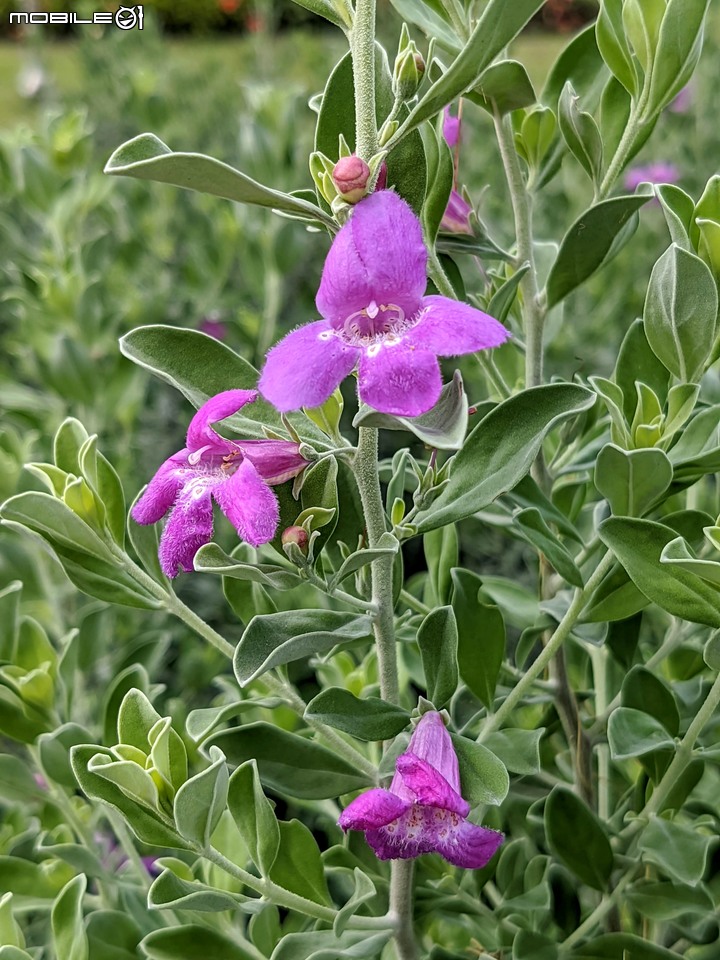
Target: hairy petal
(378, 255)
(275, 460)
(217, 408)
(465, 844)
(449, 328)
(190, 526)
(249, 504)
(372, 809)
(160, 493)
(399, 379)
(429, 786)
(431, 742)
(305, 367)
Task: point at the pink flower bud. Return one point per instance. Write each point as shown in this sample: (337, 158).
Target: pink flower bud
(381, 181)
(296, 535)
(350, 176)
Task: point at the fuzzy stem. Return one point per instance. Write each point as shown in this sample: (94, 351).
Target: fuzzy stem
(532, 306)
(557, 639)
(401, 908)
(362, 49)
(599, 661)
(368, 481)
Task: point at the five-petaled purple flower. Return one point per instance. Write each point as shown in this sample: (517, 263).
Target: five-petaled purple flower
(423, 811)
(376, 316)
(237, 474)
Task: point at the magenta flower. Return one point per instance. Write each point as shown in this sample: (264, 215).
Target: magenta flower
(237, 474)
(451, 128)
(683, 101)
(660, 172)
(213, 327)
(423, 811)
(376, 318)
(456, 218)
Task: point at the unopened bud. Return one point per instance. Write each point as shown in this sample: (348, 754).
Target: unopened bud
(298, 536)
(381, 181)
(350, 176)
(408, 72)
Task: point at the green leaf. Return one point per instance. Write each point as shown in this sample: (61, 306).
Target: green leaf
(633, 733)
(534, 529)
(580, 133)
(579, 61)
(678, 50)
(54, 749)
(697, 451)
(369, 718)
(666, 900)
(200, 801)
(501, 449)
(504, 86)
(621, 946)
(442, 427)
(438, 642)
(441, 555)
(319, 490)
(193, 942)
(498, 23)
(595, 237)
(147, 158)
(56, 523)
(680, 313)
(677, 848)
(23, 878)
(518, 749)
(69, 937)
(642, 690)
(290, 764)
(677, 555)
(136, 718)
(277, 638)
(387, 546)
(17, 782)
(483, 776)
(364, 890)
(632, 481)
(298, 867)
(325, 945)
(202, 722)
(254, 816)
(148, 825)
(171, 892)
(577, 837)
(212, 559)
(440, 173)
(638, 545)
(613, 45)
(504, 297)
(481, 636)
(636, 362)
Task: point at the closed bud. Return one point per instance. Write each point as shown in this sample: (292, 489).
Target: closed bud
(408, 72)
(350, 176)
(297, 535)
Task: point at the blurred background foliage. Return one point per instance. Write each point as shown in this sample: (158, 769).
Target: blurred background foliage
(84, 258)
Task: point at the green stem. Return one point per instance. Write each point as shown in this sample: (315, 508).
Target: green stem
(417, 605)
(532, 306)
(620, 157)
(600, 912)
(368, 481)
(401, 908)
(362, 49)
(555, 642)
(599, 661)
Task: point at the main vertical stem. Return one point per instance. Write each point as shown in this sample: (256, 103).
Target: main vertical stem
(368, 481)
(362, 49)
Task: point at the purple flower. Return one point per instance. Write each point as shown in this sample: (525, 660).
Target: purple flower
(423, 811)
(212, 326)
(456, 218)
(376, 317)
(683, 101)
(237, 474)
(451, 128)
(652, 173)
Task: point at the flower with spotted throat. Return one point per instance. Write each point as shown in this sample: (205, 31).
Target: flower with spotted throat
(237, 474)
(423, 811)
(376, 317)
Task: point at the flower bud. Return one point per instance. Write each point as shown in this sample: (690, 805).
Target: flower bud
(298, 536)
(408, 72)
(350, 176)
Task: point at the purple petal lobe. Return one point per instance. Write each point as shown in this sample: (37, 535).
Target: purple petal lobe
(463, 843)
(456, 218)
(275, 460)
(305, 367)
(398, 378)
(217, 408)
(449, 328)
(161, 491)
(372, 809)
(431, 742)
(190, 526)
(249, 504)
(378, 256)
(429, 786)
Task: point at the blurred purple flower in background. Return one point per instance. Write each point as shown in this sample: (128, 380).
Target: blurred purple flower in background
(659, 172)
(423, 811)
(236, 474)
(451, 128)
(456, 218)
(376, 317)
(213, 326)
(683, 101)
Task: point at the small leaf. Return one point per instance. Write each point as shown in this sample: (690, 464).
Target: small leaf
(677, 848)
(632, 481)
(483, 776)
(364, 891)
(277, 638)
(518, 749)
(504, 86)
(534, 529)
(298, 866)
(438, 642)
(200, 801)
(211, 559)
(193, 942)
(633, 733)
(368, 719)
(69, 937)
(580, 133)
(254, 816)
(577, 837)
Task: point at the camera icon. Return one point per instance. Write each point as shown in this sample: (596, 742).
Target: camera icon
(126, 18)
